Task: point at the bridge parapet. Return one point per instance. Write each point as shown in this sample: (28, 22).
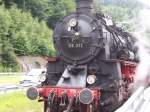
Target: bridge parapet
(138, 102)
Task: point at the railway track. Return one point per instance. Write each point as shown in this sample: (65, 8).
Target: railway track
(11, 87)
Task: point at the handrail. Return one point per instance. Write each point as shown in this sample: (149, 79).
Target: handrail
(134, 102)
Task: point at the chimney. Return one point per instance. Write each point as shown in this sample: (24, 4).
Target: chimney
(84, 6)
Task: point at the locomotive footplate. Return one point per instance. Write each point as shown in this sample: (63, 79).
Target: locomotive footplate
(67, 99)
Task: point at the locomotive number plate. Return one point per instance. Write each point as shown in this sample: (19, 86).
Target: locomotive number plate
(75, 45)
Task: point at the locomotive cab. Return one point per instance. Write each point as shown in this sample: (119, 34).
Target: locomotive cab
(78, 38)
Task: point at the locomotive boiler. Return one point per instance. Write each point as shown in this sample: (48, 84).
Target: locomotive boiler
(94, 67)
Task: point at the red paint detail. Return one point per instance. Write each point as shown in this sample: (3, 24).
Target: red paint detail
(52, 59)
(128, 71)
(44, 92)
(71, 92)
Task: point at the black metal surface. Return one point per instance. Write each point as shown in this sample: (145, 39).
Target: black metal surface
(89, 39)
(73, 79)
(80, 48)
(84, 6)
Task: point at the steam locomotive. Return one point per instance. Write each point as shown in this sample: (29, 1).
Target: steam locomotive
(95, 64)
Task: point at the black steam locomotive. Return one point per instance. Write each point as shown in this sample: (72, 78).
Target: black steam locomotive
(94, 67)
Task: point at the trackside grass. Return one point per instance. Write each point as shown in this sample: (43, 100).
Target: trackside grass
(5, 79)
(17, 102)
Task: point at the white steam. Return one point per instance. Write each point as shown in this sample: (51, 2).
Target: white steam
(143, 70)
(146, 2)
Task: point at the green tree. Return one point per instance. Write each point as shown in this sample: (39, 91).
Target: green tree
(8, 57)
(9, 60)
(21, 34)
(120, 3)
(117, 13)
(59, 9)
(1, 2)
(48, 10)
(8, 3)
(27, 33)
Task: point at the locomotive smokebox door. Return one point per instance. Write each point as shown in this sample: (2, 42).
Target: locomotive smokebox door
(77, 39)
(73, 77)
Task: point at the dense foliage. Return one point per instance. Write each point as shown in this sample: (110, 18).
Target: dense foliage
(120, 3)
(121, 11)
(21, 34)
(24, 30)
(49, 10)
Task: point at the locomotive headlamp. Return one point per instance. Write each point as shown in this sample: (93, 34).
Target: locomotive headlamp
(86, 96)
(32, 93)
(77, 33)
(72, 22)
(91, 79)
(42, 77)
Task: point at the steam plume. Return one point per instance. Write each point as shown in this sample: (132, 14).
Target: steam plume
(143, 69)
